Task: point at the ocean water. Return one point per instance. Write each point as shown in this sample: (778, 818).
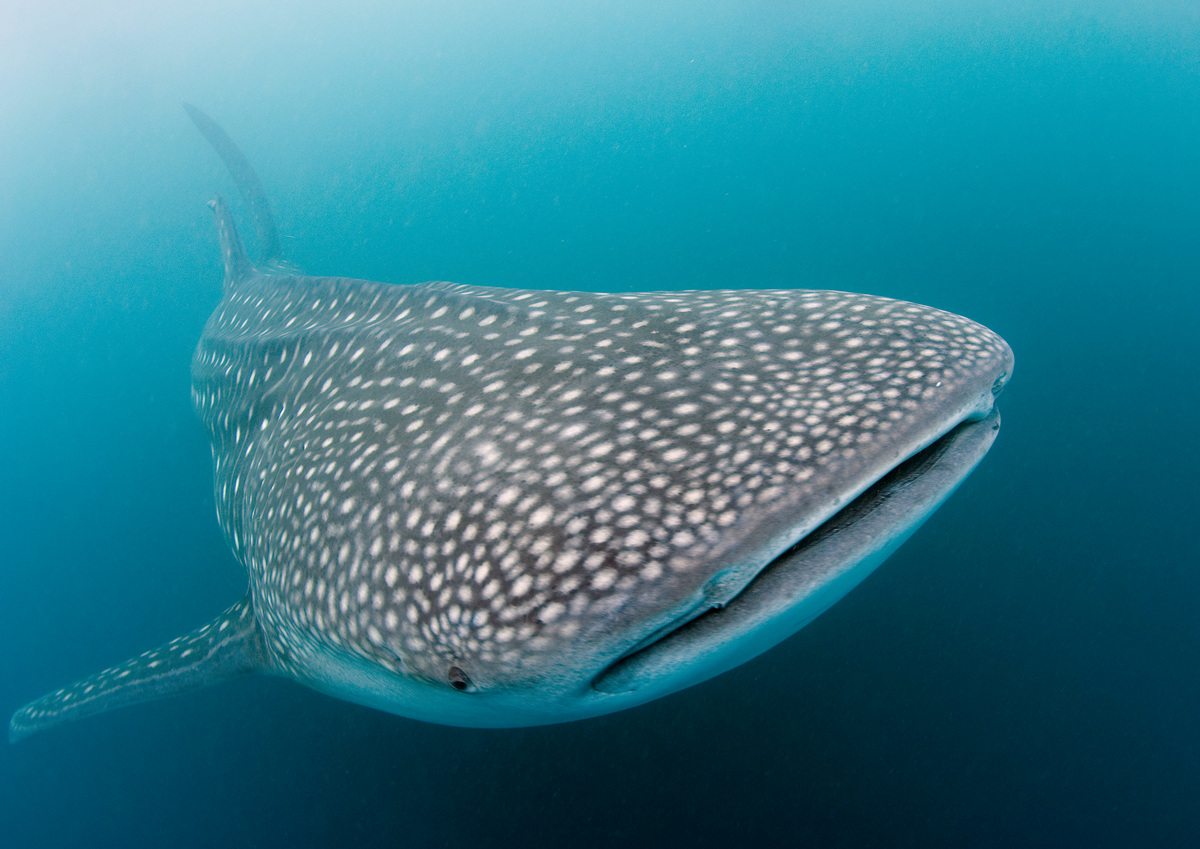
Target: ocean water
(1024, 671)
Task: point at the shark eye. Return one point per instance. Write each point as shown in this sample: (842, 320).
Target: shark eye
(458, 678)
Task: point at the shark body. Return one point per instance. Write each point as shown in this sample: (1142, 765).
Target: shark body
(500, 507)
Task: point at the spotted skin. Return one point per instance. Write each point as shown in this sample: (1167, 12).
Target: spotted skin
(464, 503)
(442, 475)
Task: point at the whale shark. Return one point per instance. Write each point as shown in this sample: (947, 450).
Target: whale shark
(498, 507)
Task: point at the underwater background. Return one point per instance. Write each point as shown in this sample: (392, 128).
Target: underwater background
(1024, 671)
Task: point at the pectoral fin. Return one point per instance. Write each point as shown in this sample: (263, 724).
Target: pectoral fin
(230, 645)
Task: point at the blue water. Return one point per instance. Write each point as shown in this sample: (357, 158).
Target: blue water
(1022, 672)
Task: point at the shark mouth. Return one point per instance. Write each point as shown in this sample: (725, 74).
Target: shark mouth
(807, 578)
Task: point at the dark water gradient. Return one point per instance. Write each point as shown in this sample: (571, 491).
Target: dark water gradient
(1023, 672)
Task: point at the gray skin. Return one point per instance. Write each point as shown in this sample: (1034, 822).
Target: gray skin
(500, 507)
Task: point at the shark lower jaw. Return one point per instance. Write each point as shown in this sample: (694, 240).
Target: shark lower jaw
(807, 578)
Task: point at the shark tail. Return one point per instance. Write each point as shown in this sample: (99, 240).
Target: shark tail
(247, 182)
(230, 645)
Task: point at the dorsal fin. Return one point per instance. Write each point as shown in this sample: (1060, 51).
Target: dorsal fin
(233, 255)
(230, 645)
(248, 184)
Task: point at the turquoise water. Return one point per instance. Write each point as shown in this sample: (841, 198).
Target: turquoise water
(1023, 670)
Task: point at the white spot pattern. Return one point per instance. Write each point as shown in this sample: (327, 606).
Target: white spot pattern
(440, 474)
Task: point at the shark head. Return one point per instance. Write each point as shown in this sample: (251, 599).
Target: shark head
(501, 507)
